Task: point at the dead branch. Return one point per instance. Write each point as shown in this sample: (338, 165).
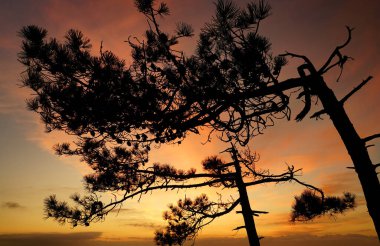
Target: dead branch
(310, 187)
(336, 52)
(260, 212)
(305, 58)
(344, 99)
(254, 212)
(318, 114)
(238, 228)
(216, 214)
(369, 138)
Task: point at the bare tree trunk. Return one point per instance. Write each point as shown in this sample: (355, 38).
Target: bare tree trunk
(249, 221)
(355, 146)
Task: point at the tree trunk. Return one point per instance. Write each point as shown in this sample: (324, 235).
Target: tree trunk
(355, 146)
(249, 221)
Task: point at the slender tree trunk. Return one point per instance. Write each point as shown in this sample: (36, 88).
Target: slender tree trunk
(249, 221)
(355, 146)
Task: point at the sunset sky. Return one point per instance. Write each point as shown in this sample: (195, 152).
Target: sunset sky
(29, 170)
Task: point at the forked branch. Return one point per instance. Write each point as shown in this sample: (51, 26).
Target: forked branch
(344, 99)
(341, 59)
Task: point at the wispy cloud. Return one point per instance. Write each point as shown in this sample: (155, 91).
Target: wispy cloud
(340, 182)
(12, 205)
(123, 210)
(57, 239)
(145, 225)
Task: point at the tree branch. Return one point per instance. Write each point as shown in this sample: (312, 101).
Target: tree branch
(186, 176)
(369, 138)
(215, 215)
(286, 176)
(259, 212)
(336, 52)
(160, 187)
(254, 212)
(305, 58)
(268, 180)
(265, 91)
(238, 228)
(318, 114)
(311, 187)
(344, 99)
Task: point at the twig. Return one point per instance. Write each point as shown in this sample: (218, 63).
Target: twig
(344, 99)
(238, 228)
(318, 114)
(259, 212)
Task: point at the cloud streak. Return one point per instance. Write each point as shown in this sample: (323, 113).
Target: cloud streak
(57, 239)
(12, 205)
(94, 239)
(145, 225)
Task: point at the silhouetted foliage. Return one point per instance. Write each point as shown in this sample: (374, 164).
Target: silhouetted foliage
(309, 205)
(118, 113)
(185, 219)
(163, 94)
(188, 216)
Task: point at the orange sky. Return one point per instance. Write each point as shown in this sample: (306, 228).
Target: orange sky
(29, 171)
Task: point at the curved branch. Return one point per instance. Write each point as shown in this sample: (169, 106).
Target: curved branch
(305, 58)
(159, 187)
(336, 52)
(215, 215)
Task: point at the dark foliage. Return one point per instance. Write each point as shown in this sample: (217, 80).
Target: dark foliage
(164, 94)
(117, 113)
(309, 205)
(188, 216)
